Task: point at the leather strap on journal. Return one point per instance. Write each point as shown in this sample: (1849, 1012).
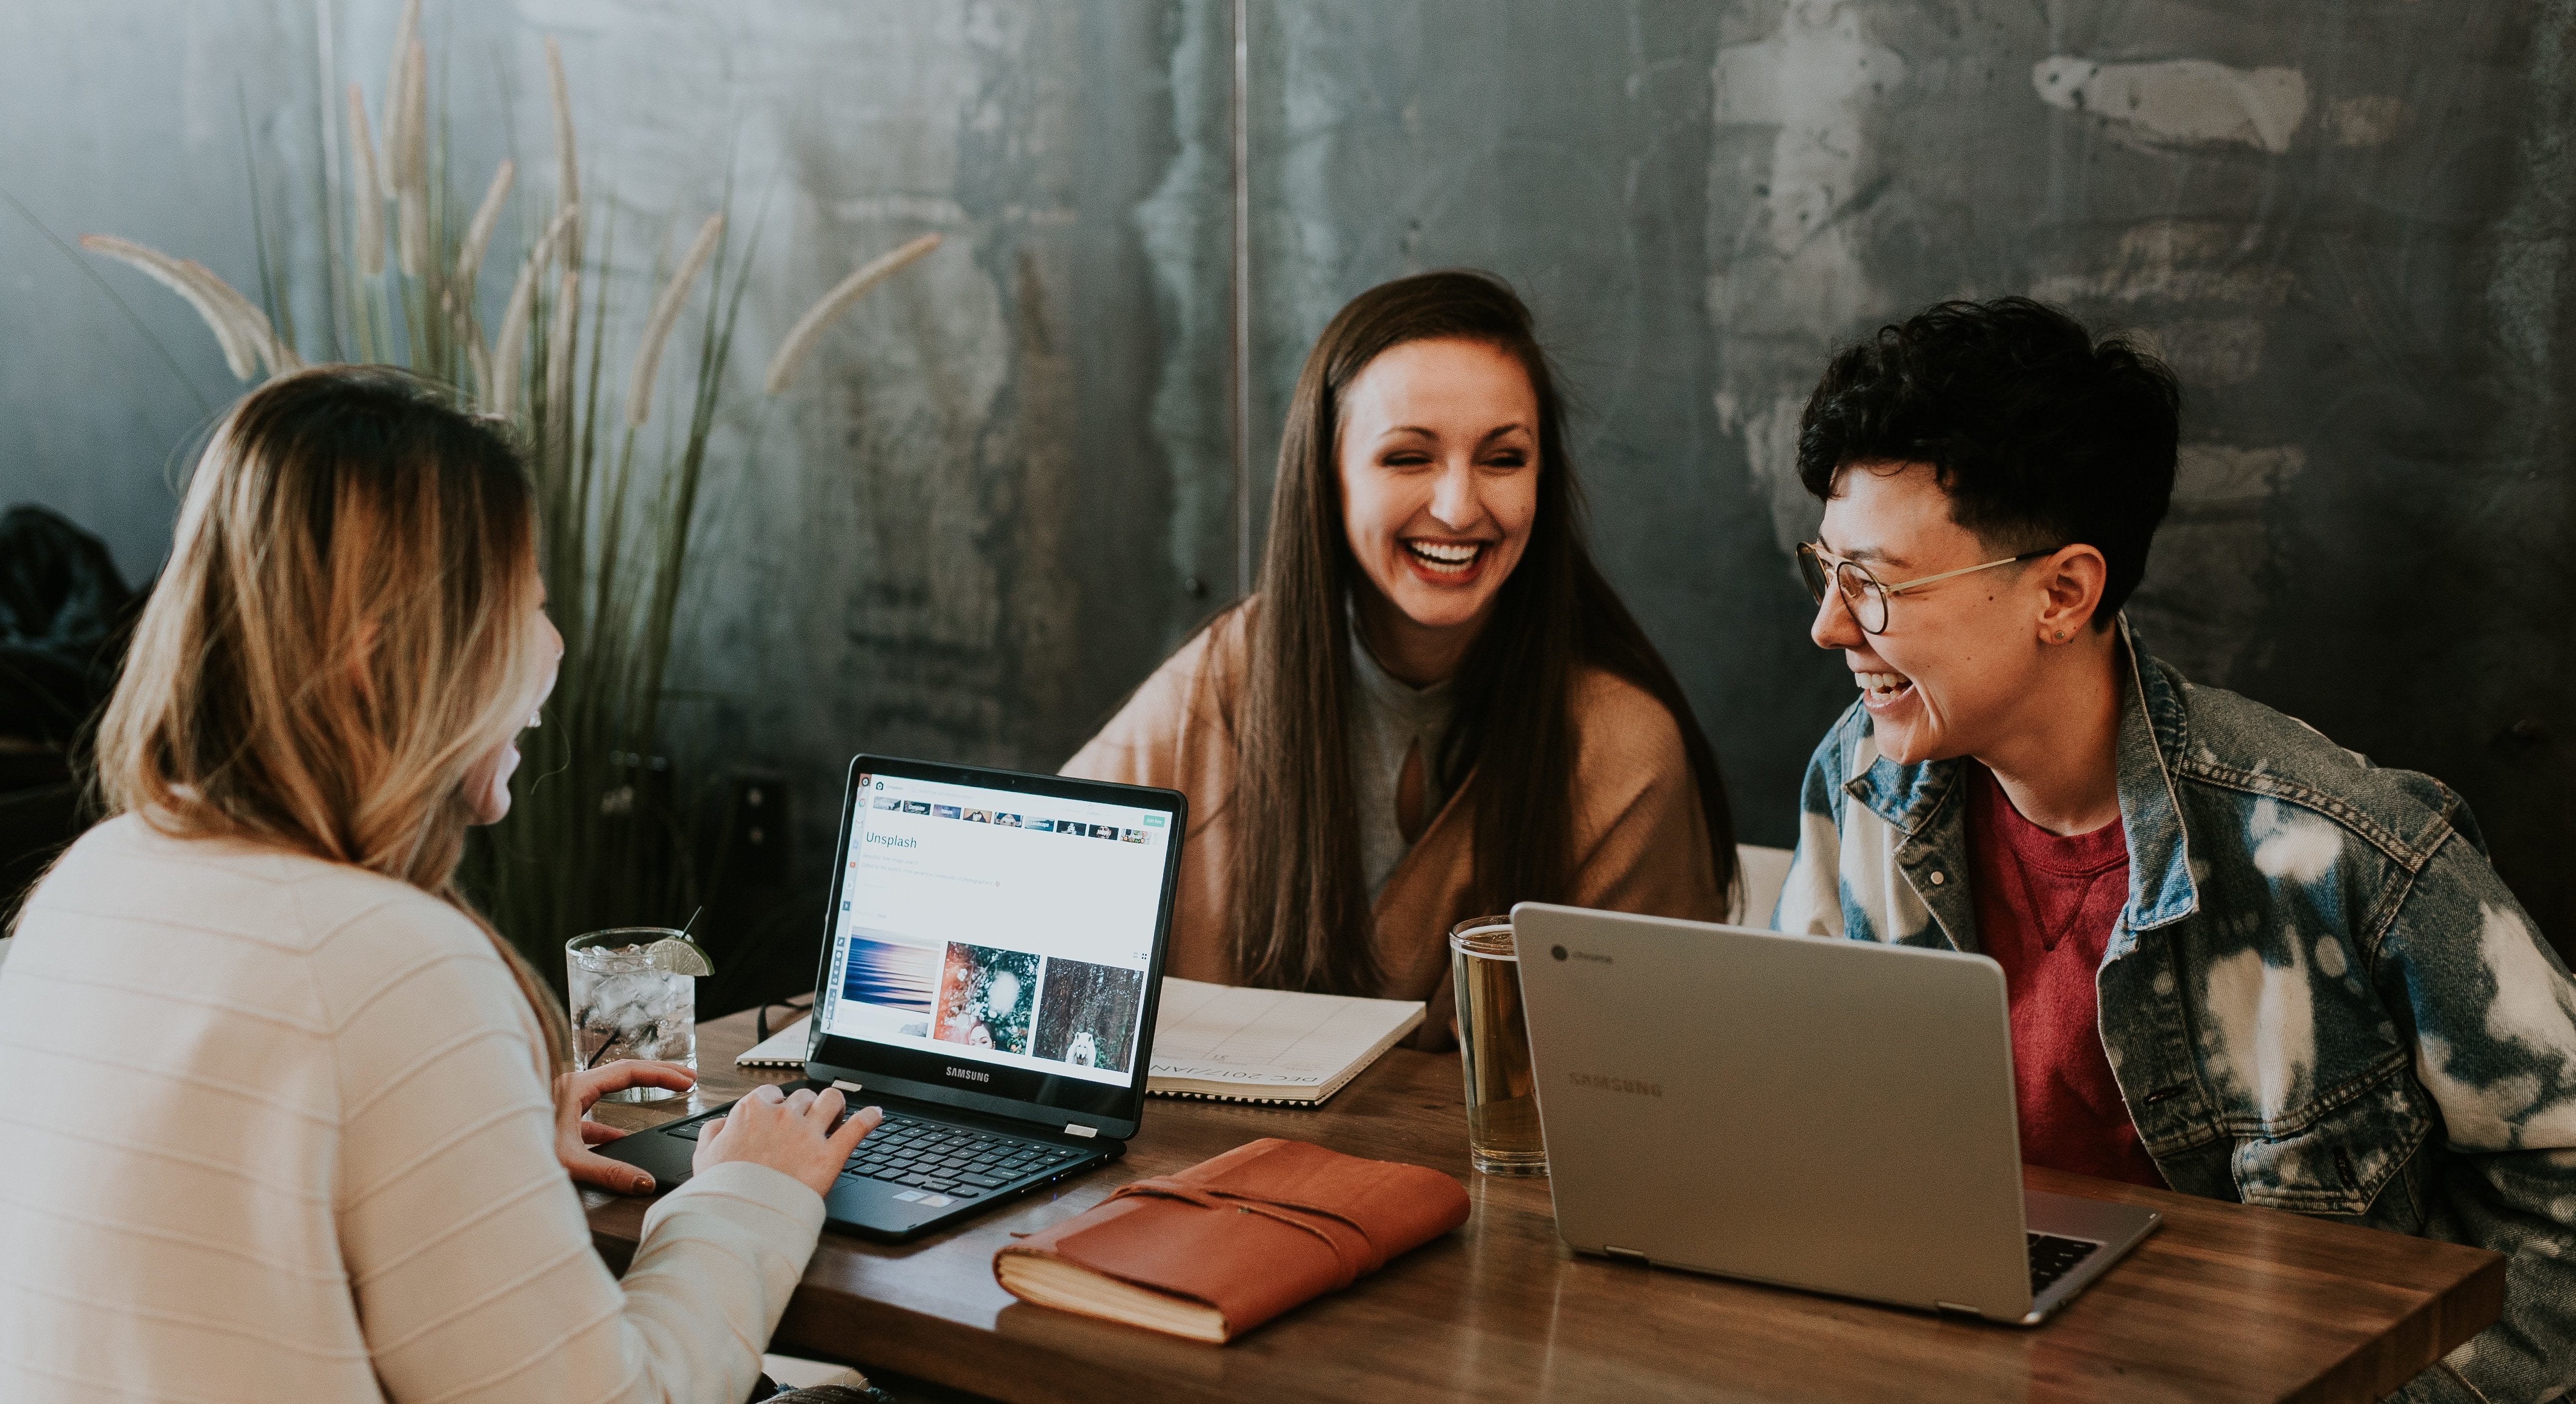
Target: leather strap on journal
(1350, 1243)
(1257, 1230)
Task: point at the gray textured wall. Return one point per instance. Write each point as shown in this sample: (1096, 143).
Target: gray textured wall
(973, 524)
(2345, 223)
(977, 522)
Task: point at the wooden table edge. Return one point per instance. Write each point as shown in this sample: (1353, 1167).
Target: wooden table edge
(2371, 1370)
(872, 1332)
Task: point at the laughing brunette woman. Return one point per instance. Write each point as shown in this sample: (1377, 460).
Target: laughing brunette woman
(1433, 706)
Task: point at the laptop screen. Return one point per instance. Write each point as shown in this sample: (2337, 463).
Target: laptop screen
(997, 934)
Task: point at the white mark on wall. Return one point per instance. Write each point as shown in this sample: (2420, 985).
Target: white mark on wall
(2364, 121)
(2178, 261)
(2293, 846)
(1782, 227)
(2180, 102)
(1814, 79)
(937, 210)
(1771, 447)
(2262, 1031)
(1185, 227)
(2210, 477)
(2209, 350)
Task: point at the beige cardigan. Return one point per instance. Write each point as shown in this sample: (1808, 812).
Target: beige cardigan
(275, 1131)
(1641, 841)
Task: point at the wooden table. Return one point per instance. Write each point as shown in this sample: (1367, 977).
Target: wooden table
(2225, 1302)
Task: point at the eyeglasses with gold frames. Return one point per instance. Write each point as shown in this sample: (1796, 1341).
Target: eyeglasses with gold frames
(1865, 594)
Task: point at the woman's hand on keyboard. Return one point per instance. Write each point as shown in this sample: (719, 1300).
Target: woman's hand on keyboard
(791, 1133)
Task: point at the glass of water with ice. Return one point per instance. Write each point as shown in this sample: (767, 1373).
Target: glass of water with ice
(632, 999)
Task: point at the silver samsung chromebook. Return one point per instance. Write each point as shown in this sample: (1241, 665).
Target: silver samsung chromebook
(1823, 1114)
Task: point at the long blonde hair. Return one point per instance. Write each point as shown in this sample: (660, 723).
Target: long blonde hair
(343, 633)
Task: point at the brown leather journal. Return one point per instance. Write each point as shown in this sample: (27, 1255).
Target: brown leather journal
(1229, 1243)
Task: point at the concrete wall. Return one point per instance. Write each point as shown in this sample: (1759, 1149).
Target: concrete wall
(2344, 223)
(982, 513)
(1001, 492)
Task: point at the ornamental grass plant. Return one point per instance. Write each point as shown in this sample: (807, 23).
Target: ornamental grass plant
(601, 819)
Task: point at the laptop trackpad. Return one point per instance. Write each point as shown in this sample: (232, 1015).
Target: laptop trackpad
(875, 1204)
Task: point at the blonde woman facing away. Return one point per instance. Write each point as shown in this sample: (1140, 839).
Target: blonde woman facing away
(283, 1119)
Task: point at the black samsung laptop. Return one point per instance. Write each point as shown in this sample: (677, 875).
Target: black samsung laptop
(993, 960)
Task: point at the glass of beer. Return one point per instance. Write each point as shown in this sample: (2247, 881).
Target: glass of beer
(1493, 1050)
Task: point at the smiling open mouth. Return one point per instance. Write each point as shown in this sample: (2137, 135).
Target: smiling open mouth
(1446, 557)
(1883, 687)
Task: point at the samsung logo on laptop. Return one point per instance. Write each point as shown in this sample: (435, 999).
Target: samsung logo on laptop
(972, 1076)
(1628, 1085)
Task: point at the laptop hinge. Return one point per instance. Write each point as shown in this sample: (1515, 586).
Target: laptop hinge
(1628, 1255)
(1954, 1309)
(1071, 1129)
(846, 1085)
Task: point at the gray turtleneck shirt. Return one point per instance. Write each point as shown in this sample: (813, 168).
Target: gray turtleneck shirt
(1391, 718)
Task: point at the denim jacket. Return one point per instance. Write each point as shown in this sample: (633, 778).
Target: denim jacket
(2320, 996)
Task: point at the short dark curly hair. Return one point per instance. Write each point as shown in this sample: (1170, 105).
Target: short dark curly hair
(2041, 436)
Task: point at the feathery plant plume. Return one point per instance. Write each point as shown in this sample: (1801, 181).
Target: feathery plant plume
(366, 197)
(478, 235)
(410, 159)
(509, 348)
(559, 355)
(253, 323)
(809, 328)
(397, 106)
(195, 282)
(601, 833)
(456, 300)
(666, 312)
(568, 164)
(478, 362)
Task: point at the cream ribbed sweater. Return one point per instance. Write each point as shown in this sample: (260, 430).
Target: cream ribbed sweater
(272, 1129)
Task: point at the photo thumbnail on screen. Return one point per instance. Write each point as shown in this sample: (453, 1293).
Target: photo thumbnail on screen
(1088, 1014)
(987, 998)
(894, 975)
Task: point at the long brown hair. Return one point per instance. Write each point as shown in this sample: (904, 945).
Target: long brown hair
(342, 635)
(1301, 906)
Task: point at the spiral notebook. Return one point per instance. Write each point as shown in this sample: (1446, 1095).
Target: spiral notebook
(1228, 1043)
(1233, 1044)
(783, 1049)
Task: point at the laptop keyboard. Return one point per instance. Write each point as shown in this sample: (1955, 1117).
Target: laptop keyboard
(956, 1161)
(2052, 1257)
(951, 1160)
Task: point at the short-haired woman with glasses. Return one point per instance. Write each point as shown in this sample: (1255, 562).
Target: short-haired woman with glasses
(1433, 706)
(285, 1120)
(2241, 961)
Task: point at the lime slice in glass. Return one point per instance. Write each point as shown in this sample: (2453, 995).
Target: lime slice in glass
(680, 956)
